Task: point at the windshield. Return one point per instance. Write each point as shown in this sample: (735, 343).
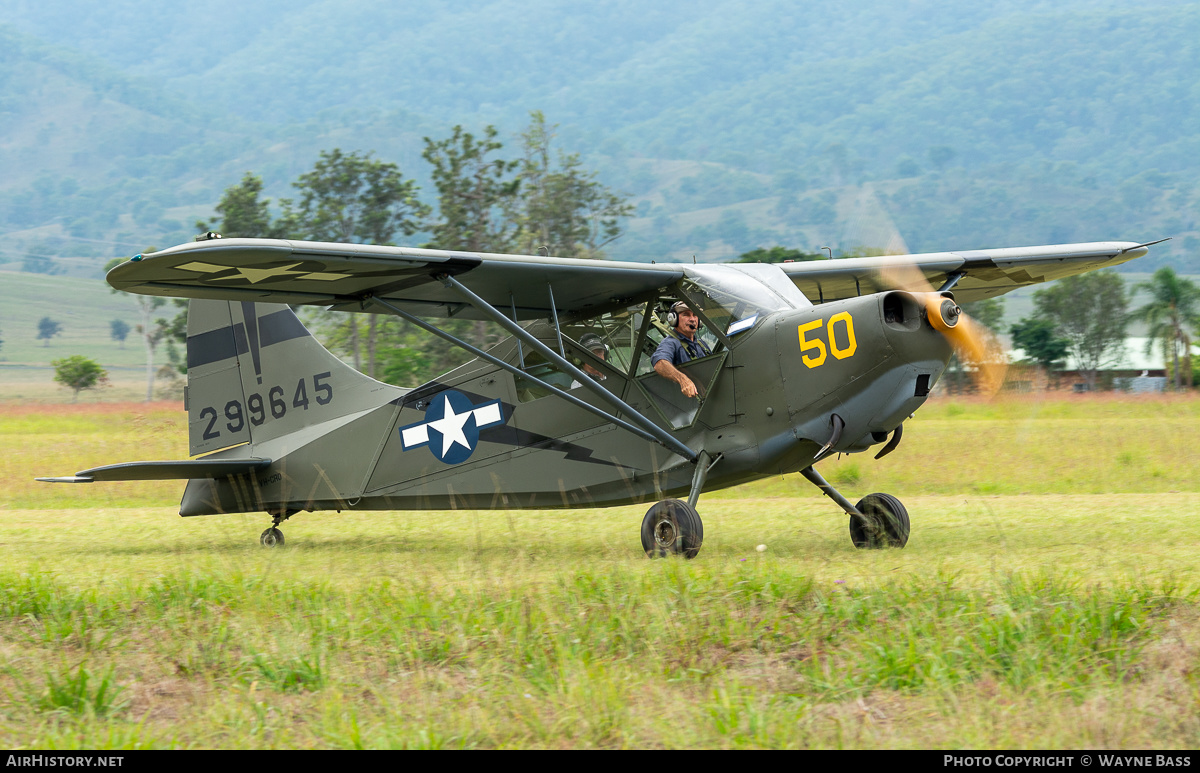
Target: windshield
(727, 294)
(776, 281)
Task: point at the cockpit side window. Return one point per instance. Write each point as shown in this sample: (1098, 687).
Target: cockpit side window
(599, 347)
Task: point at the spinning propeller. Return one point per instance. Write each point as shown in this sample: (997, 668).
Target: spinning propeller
(972, 342)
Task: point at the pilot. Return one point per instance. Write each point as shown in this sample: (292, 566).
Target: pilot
(681, 346)
(594, 344)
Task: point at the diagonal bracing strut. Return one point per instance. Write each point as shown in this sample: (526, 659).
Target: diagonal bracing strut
(661, 435)
(654, 438)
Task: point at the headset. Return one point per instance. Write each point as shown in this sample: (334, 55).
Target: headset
(673, 313)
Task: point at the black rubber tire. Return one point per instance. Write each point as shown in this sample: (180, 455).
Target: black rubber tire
(671, 527)
(271, 538)
(888, 525)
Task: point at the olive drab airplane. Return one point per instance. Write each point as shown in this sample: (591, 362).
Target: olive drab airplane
(805, 360)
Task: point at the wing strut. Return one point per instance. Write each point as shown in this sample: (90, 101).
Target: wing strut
(661, 435)
(951, 281)
(655, 437)
(554, 311)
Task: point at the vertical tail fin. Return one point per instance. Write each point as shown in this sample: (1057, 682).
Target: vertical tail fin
(256, 373)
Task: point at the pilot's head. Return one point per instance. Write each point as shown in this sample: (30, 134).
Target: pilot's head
(686, 321)
(594, 344)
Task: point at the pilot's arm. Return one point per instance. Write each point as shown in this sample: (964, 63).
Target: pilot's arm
(663, 362)
(669, 371)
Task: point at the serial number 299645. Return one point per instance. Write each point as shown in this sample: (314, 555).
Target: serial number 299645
(275, 406)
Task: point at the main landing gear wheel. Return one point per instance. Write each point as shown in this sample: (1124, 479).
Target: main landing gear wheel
(885, 526)
(271, 538)
(672, 527)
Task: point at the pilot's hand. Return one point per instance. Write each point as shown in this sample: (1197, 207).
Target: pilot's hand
(688, 388)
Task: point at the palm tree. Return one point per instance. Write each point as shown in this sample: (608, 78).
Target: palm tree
(1173, 310)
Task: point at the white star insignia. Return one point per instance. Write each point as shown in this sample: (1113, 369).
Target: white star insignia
(450, 426)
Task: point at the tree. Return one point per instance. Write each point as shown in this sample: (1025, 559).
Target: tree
(1174, 308)
(1088, 310)
(176, 333)
(47, 329)
(404, 365)
(243, 213)
(119, 330)
(988, 312)
(1036, 337)
(476, 199)
(777, 254)
(149, 331)
(476, 193)
(562, 207)
(355, 198)
(78, 373)
(352, 197)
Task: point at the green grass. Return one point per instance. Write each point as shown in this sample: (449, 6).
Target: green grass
(84, 307)
(1046, 620)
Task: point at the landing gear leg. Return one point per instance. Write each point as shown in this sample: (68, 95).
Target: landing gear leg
(273, 537)
(703, 464)
(877, 521)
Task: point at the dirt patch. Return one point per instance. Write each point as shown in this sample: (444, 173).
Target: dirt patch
(22, 408)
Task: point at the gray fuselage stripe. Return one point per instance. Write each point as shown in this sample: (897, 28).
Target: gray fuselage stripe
(278, 327)
(226, 342)
(215, 345)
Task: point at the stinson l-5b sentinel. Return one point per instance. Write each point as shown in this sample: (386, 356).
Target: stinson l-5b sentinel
(806, 360)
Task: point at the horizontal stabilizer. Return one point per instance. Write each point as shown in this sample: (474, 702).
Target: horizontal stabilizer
(182, 470)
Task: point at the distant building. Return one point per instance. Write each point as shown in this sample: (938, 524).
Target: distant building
(1133, 370)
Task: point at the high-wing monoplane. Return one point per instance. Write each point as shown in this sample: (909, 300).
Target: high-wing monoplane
(803, 360)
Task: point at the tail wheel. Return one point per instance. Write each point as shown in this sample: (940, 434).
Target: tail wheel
(884, 523)
(672, 527)
(271, 538)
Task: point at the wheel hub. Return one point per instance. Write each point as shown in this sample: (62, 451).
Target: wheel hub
(665, 533)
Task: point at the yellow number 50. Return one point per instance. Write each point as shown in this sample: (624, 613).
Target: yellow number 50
(815, 352)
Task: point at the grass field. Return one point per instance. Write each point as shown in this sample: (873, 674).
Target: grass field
(84, 307)
(1046, 599)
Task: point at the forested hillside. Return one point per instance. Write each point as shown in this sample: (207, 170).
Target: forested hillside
(920, 126)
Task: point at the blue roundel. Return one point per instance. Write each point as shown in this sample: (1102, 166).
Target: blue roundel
(451, 426)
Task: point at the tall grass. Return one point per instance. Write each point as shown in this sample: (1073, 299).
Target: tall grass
(750, 655)
(1045, 620)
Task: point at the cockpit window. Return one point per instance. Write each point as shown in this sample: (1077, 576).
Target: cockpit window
(728, 295)
(614, 333)
(779, 283)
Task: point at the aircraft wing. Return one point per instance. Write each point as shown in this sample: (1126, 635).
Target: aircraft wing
(985, 273)
(343, 275)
